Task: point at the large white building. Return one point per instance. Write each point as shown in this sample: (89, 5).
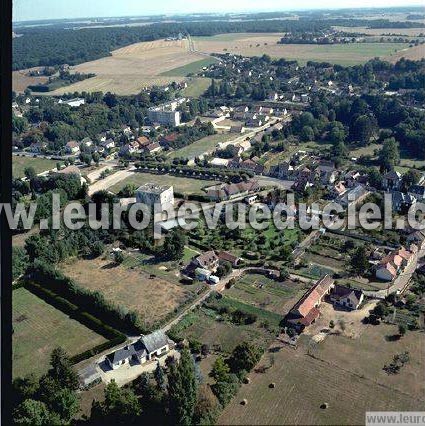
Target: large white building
(167, 118)
(75, 102)
(166, 114)
(151, 194)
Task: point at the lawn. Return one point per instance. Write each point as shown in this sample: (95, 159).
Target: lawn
(266, 293)
(38, 328)
(130, 285)
(19, 164)
(366, 150)
(201, 146)
(181, 185)
(196, 87)
(191, 68)
(302, 385)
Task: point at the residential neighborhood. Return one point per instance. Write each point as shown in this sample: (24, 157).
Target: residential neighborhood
(225, 216)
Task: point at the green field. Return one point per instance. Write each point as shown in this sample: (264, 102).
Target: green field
(40, 165)
(265, 293)
(181, 184)
(206, 326)
(348, 54)
(366, 150)
(191, 68)
(196, 87)
(201, 146)
(38, 328)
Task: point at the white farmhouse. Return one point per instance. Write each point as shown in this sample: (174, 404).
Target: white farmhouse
(147, 348)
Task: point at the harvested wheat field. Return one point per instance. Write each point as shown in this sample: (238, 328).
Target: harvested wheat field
(133, 67)
(247, 44)
(130, 288)
(21, 80)
(410, 32)
(310, 391)
(414, 53)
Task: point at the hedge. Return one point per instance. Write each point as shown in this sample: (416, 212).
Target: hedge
(93, 303)
(114, 337)
(73, 311)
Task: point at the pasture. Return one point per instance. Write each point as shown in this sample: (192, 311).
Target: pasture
(201, 146)
(131, 287)
(182, 185)
(38, 328)
(190, 68)
(302, 385)
(196, 87)
(133, 67)
(19, 164)
(258, 44)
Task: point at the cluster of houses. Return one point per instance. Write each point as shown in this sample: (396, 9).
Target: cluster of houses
(323, 173)
(388, 266)
(204, 266)
(307, 310)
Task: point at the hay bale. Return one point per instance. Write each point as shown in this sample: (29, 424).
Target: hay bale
(272, 385)
(324, 406)
(247, 380)
(244, 402)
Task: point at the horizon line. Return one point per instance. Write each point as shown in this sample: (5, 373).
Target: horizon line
(236, 11)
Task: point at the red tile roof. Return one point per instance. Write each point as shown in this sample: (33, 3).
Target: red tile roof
(310, 317)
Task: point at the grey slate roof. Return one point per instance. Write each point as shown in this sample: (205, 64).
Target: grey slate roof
(154, 341)
(122, 354)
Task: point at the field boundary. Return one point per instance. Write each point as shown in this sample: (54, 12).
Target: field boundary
(113, 336)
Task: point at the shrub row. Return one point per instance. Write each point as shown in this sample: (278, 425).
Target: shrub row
(93, 303)
(114, 337)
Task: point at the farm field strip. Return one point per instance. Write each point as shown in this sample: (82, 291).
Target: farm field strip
(190, 68)
(133, 67)
(302, 385)
(131, 287)
(259, 44)
(39, 328)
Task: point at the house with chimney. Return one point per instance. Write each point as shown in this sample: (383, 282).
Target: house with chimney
(148, 348)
